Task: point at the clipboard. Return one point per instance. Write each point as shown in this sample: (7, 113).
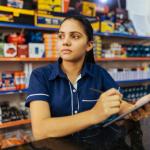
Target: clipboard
(138, 106)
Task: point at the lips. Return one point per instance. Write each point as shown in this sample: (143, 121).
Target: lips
(66, 51)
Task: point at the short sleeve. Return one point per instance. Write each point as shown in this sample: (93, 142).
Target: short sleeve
(37, 89)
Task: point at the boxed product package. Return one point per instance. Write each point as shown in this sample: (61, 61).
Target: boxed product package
(88, 9)
(22, 50)
(48, 21)
(107, 26)
(15, 3)
(50, 5)
(7, 81)
(16, 15)
(36, 50)
(10, 50)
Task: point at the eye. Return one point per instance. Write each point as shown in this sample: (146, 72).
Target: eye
(75, 36)
(60, 36)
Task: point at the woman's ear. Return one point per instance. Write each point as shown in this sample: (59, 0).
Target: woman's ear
(89, 46)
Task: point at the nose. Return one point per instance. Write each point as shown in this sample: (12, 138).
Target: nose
(66, 41)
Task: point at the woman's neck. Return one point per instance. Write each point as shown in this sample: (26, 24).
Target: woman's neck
(72, 68)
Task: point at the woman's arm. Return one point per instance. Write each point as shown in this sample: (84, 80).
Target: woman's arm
(43, 125)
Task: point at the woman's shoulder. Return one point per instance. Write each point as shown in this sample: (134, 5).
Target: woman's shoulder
(97, 68)
(45, 70)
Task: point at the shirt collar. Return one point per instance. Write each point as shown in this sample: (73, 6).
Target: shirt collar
(57, 71)
(87, 70)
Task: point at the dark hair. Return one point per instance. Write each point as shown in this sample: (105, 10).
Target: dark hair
(89, 57)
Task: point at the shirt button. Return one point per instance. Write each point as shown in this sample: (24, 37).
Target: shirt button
(74, 90)
(75, 111)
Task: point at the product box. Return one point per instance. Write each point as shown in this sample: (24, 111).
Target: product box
(88, 9)
(6, 17)
(95, 22)
(15, 3)
(1, 49)
(48, 21)
(22, 50)
(7, 81)
(36, 50)
(50, 5)
(17, 15)
(107, 26)
(10, 50)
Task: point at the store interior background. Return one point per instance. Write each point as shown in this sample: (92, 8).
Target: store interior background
(122, 46)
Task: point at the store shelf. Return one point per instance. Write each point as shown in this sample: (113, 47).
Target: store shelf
(122, 35)
(133, 81)
(14, 123)
(124, 59)
(32, 27)
(22, 26)
(13, 92)
(6, 59)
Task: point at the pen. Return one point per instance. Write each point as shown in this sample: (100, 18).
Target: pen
(99, 91)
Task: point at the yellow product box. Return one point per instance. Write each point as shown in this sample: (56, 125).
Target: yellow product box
(95, 22)
(88, 9)
(48, 21)
(107, 26)
(17, 15)
(96, 25)
(51, 5)
(44, 2)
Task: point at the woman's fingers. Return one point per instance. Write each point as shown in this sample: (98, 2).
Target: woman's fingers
(147, 109)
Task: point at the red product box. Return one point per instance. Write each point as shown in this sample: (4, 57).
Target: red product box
(22, 50)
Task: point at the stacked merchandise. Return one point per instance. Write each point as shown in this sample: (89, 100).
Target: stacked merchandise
(124, 51)
(137, 50)
(126, 74)
(11, 113)
(12, 80)
(31, 45)
(97, 47)
(50, 42)
(135, 92)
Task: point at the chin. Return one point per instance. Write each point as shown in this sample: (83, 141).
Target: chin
(69, 59)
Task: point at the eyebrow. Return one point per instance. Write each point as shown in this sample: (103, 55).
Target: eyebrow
(71, 32)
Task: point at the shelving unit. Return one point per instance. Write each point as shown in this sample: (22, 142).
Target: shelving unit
(32, 27)
(7, 59)
(13, 92)
(14, 123)
(15, 59)
(133, 81)
(107, 60)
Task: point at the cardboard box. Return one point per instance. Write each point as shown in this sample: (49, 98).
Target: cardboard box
(10, 50)
(50, 5)
(48, 21)
(17, 15)
(107, 26)
(88, 9)
(22, 50)
(36, 50)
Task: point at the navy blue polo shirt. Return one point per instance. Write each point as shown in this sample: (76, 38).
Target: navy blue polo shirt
(50, 84)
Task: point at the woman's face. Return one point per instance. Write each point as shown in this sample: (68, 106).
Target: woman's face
(72, 41)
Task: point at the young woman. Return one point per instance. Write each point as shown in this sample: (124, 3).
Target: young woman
(60, 99)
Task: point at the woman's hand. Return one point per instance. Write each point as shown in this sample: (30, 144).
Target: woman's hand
(108, 104)
(142, 112)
